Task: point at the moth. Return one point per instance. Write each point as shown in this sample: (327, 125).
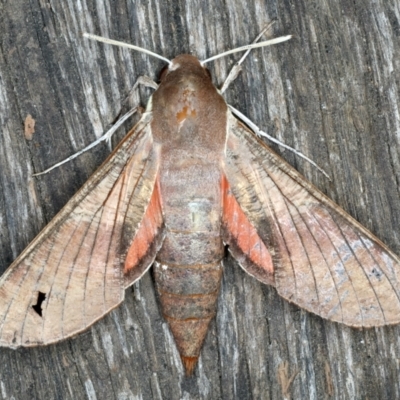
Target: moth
(188, 180)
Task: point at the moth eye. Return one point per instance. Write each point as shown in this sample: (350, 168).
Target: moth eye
(163, 73)
(38, 306)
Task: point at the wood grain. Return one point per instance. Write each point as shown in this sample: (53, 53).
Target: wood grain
(332, 93)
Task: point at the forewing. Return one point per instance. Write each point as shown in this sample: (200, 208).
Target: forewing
(72, 273)
(323, 260)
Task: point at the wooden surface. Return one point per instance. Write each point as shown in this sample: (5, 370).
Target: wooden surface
(331, 92)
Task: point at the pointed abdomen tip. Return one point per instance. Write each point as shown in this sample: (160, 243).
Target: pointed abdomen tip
(190, 364)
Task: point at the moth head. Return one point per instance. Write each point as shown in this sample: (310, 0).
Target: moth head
(184, 63)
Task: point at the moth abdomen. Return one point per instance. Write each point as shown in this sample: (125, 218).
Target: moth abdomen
(188, 296)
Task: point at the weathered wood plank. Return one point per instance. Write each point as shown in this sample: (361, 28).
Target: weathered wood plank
(332, 93)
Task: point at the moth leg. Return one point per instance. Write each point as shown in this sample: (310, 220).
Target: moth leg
(260, 133)
(234, 72)
(145, 81)
(142, 80)
(107, 136)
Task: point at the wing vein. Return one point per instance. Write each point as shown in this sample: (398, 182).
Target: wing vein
(90, 262)
(71, 273)
(359, 264)
(55, 272)
(287, 201)
(114, 225)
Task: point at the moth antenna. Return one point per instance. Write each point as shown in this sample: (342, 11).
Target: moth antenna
(127, 45)
(249, 47)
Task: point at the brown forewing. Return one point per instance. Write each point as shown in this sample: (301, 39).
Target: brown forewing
(324, 260)
(71, 274)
